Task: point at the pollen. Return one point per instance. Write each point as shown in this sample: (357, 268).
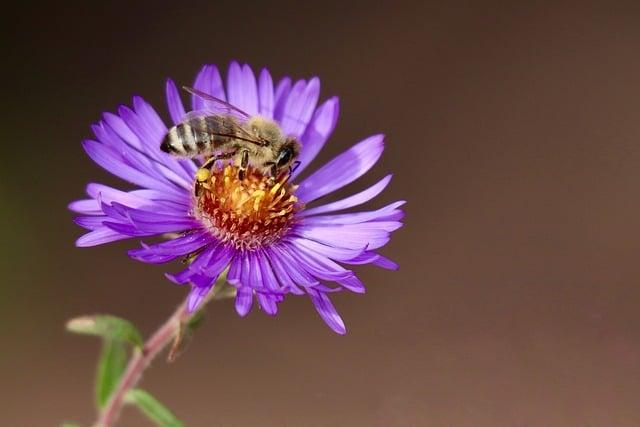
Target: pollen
(249, 213)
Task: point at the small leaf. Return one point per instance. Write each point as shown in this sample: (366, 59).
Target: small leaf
(109, 327)
(154, 410)
(111, 365)
(196, 320)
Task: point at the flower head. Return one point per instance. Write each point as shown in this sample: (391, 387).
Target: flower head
(267, 231)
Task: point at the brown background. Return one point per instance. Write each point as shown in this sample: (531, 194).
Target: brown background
(513, 132)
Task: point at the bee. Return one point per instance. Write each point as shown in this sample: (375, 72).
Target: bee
(223, 131)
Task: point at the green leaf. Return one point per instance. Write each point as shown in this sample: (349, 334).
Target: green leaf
(154, 410)
(111, 365)
(106, 326)
(196, 320)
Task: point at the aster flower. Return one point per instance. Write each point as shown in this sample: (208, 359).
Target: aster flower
(273, 236)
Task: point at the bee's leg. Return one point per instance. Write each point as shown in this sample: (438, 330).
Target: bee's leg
(273, 172)
(210, 161)
(244, 162)
(202, 175)
(204, 172)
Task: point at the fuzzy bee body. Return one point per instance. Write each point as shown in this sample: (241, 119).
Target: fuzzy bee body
(200, 136)
(226, 132)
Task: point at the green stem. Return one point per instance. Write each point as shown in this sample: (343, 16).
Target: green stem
(142, 358)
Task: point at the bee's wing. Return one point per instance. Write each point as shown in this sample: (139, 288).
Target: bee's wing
(194, 119)
(218, 105)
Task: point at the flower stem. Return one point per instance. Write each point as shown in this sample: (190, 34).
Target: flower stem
(142, 358)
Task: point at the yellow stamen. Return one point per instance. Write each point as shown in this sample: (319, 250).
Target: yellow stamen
(248, 213)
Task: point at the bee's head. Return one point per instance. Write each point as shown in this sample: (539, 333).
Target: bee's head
(265, 129)
(287, 153)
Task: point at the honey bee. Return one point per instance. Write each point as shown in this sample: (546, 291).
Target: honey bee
(223, 131)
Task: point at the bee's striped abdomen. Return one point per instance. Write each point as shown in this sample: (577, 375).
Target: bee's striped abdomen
(198, 135)
(181, 141)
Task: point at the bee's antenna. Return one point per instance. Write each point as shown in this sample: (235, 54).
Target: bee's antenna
(293, 168)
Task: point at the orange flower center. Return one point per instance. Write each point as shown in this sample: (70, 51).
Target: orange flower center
(249, 213)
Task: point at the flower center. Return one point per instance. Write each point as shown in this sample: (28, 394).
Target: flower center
(248, 213)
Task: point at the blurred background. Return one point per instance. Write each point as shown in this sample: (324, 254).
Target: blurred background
(513, 131)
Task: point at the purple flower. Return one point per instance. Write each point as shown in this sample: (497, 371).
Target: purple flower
(270, 234)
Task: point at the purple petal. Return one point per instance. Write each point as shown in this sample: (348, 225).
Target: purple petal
(201, 263)
(182, 245)
(174, 102)
(110, 194)
(148, 136)
(85, 206)
(327, 289)
(235, 268)
(136, 198)
(171, 249)
(99, 237)
(384, 262)
(155, 128)
(143, 150)
(149, 229)
(250, 90)
(242, 88)
(300, 107)
(327, 311)
(111, 162)
(392, 216)
(122, 130)
(352, 236)
(244, 300)
(202, 281)
(269, 280)
(317, 268)
(338, 254)
(150, 130)
(149, 215)
(357, 217)
(342, 170)
(265, 94)
(351, 201)
(317, 133)
(180, 198)
(296, 272)
(155, 259)
(196, 296)
(245, 270)
(324, 268)
(90, 222)
(280, 97)
(255, 272)
(375, 259)
(219, 261)
(116, 212)
(280, 271)
(196, 267)
(267, 303)
(208, 81)
(160, 166)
